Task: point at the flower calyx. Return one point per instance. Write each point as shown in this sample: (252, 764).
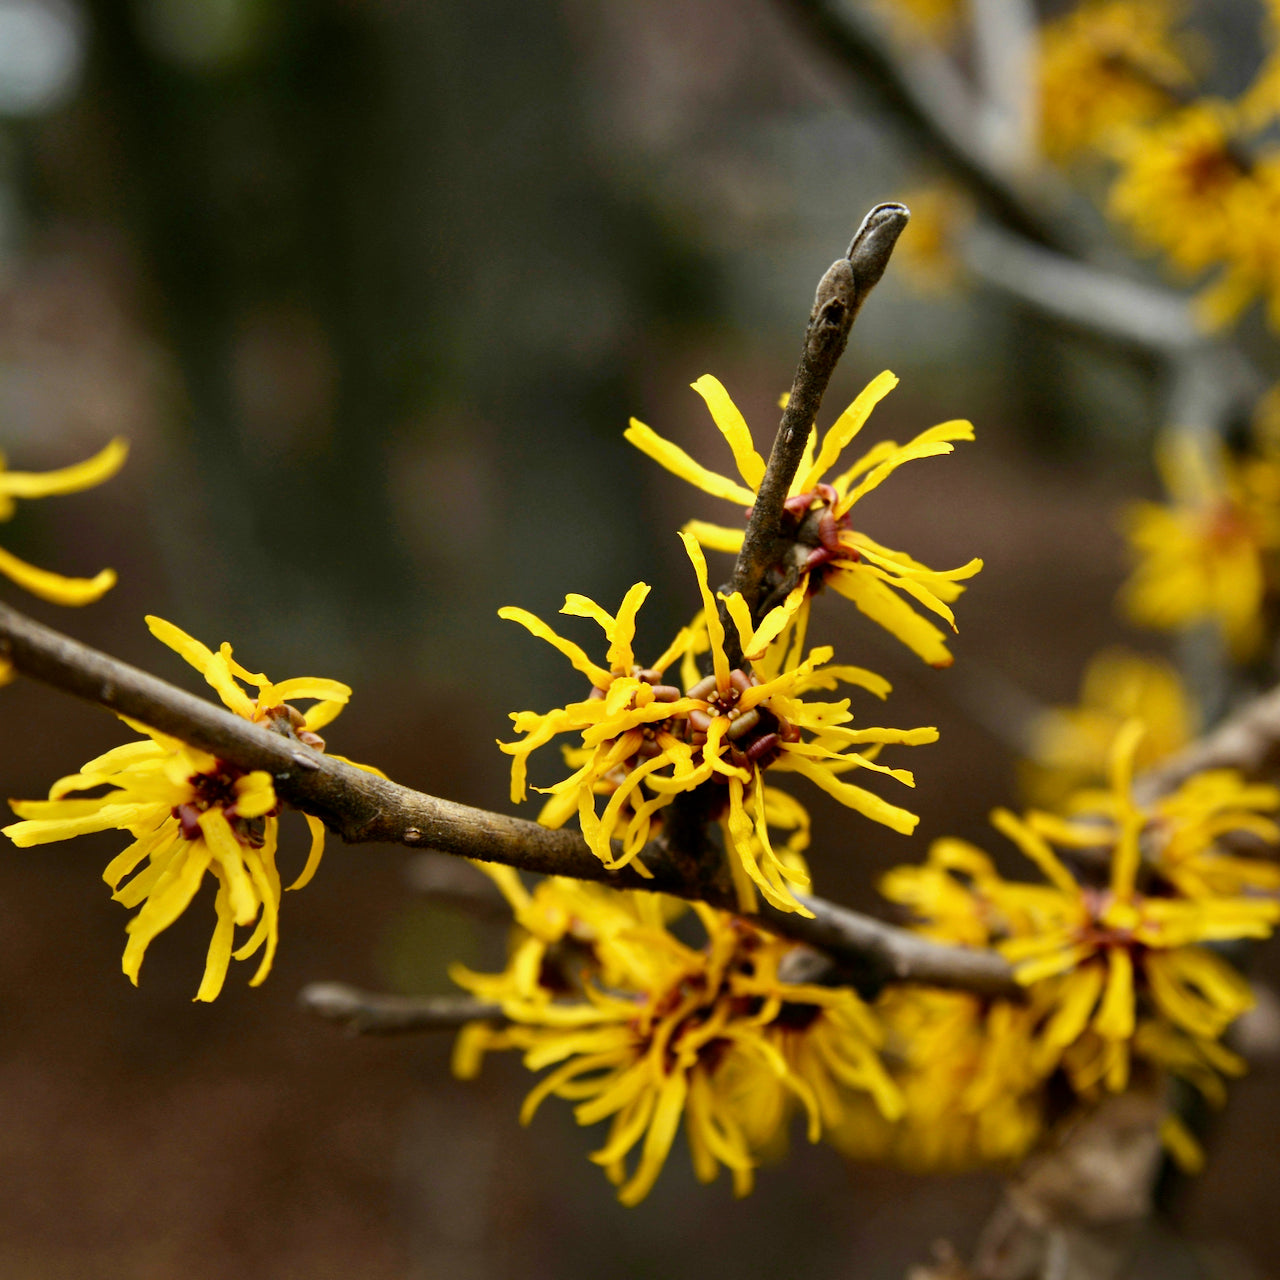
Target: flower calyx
(288, 722)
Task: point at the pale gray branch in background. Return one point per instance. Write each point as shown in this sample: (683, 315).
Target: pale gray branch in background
(1005, 56)
(1127, 311)
(367, 1013)
(927, 93)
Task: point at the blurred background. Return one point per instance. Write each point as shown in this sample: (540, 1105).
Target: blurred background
(372, 287)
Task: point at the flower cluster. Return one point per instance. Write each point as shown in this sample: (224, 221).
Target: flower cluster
(1210, 555)
(1197, 179)
(192, 814)
(644, 742)
(1114, 942)
(743, 706)
(636, 1024)
(648, 1031)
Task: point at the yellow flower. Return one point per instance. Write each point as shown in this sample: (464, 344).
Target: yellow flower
(745, 723)
(1177, 183)
(1105, 952)
(191, 813)
(1106, 64)
(659, 1032)
(825, 549)
(565, 931)
(629, 728)
(1187, 825)
(1069, 745)
(970, 1092)
(25, 484)
(939, 217)
(1206, 556)
(1100, 963)
(1252, 257)
(1201, 1063)
(952, 894)
(644, 743)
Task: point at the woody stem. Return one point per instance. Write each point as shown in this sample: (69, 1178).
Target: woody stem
(841, 293)
(362, 807)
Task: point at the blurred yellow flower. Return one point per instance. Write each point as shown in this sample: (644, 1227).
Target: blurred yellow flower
(951, 895)
(927, 252)
(1069, 745)
(1252, 261)
(26, 484)
(1205, 557)
(651, 1032)
(1105, 951)
(1103, 65)
(1101, 963)
(1185, 832)
(825, 549)
(1176, 183)
(191, 813)
(971, 1096)
(1189, 188)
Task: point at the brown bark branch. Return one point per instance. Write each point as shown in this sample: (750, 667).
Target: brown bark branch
(841, 292)
(361, 807)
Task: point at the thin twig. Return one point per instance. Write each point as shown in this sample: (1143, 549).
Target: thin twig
(841, 292)
(370, 1013)
(361, 807)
